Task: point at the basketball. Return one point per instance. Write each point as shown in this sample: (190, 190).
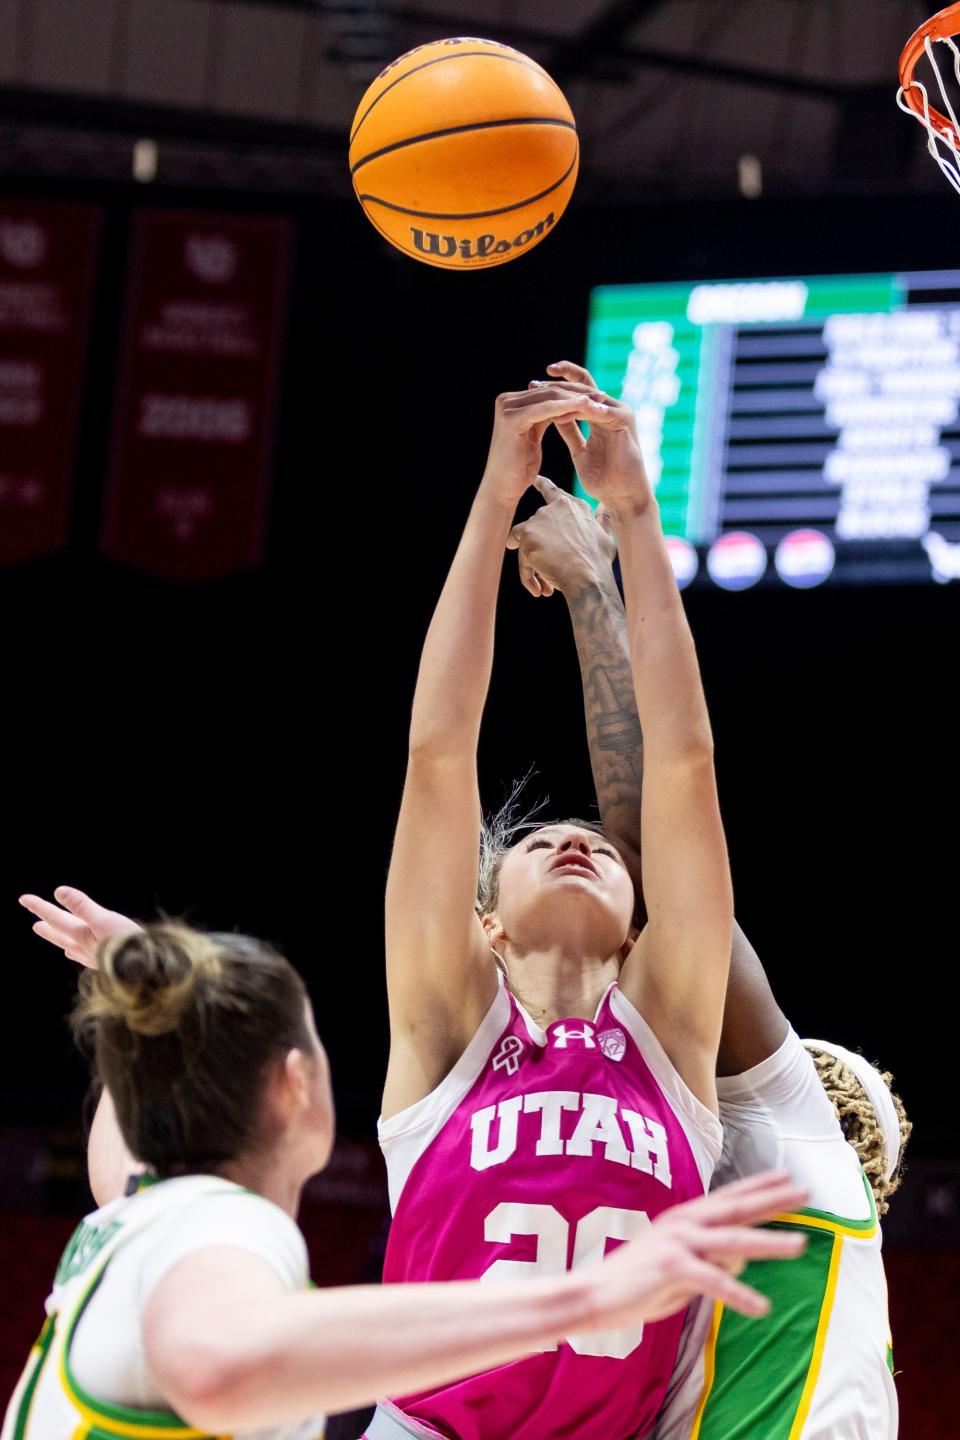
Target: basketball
(463, 153)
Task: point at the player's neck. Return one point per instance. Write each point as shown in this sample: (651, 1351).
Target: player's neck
(558, 985)
(266, 1174)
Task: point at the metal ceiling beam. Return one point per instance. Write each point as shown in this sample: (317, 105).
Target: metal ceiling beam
(600, 38)
(547, 43)
(311, 6)
(58, 110)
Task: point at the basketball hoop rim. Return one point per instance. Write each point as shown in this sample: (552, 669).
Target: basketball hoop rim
(942, 26)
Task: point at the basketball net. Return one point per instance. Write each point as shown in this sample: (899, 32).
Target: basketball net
(943, 130)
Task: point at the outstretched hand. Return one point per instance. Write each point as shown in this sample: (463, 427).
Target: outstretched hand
(520, 419)
(698, 1248)
(564, 543)
(608, 460)
(77, 924)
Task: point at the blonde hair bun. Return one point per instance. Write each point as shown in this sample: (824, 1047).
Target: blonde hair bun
(147, 980)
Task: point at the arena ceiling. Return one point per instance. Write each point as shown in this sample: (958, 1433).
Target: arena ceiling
(669, 94)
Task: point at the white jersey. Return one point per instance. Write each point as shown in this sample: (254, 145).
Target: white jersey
(87, 1375)
(819, 1367)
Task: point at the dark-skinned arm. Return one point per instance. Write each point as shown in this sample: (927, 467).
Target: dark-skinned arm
(565, 548)
(613, 725)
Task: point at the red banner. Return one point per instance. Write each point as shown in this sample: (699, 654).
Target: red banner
(193, 426)
(47, 257)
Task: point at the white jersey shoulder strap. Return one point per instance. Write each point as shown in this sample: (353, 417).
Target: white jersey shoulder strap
(404, 1137)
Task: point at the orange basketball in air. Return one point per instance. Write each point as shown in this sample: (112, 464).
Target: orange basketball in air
(464, 153)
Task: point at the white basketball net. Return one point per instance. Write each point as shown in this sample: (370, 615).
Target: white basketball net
(942, 139)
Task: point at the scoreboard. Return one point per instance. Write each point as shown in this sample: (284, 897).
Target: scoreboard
(798, 431)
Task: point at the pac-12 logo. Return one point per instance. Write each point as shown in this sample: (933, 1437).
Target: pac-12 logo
(613, 1043)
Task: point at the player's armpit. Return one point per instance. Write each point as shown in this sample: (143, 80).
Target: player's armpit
(754, 1026)
(441, 976)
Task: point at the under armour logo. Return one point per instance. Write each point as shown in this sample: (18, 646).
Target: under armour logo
(613, 1043)
(561, 1034)
(508, 1056)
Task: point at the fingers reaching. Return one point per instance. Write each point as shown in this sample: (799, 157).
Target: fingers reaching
(572, 437)
(53, 917)
(546, 488)
(601, 411)
(530, 578)
(58, 927)
(701, 1246)
(749, 1243)
(567, 370)
(745, 1202)
(48, 932)
(545, 404)
(77, 924)
(75, 901)
(711, 1280)
(568, 430)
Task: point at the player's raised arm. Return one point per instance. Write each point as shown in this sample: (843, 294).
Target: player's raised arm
(677, 973)
(563, 547)
(440, 975)
(77, 925)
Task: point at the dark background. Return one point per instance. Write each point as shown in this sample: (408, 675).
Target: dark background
(234, 751)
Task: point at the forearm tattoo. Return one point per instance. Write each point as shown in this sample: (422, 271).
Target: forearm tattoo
(613, 725)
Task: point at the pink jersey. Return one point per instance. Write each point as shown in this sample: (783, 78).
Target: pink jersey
(540, 1151)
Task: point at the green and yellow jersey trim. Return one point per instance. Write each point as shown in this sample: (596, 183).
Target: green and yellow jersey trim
(38, 1354)
(781, 1391)
(98, 1419)
(820, 1339)
(823, 1220)
(102, 1416)
(709, 1366)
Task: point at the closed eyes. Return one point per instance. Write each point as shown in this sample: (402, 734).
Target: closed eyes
(549, 845)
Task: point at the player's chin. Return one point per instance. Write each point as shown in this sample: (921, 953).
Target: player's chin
(582, 895)
(578, 892)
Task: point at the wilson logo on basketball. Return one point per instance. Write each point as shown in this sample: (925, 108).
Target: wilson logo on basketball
(429, 242)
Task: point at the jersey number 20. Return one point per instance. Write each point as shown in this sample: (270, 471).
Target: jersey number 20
(589, 1247)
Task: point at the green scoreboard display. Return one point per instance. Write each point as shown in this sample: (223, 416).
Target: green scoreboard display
(798, 431)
